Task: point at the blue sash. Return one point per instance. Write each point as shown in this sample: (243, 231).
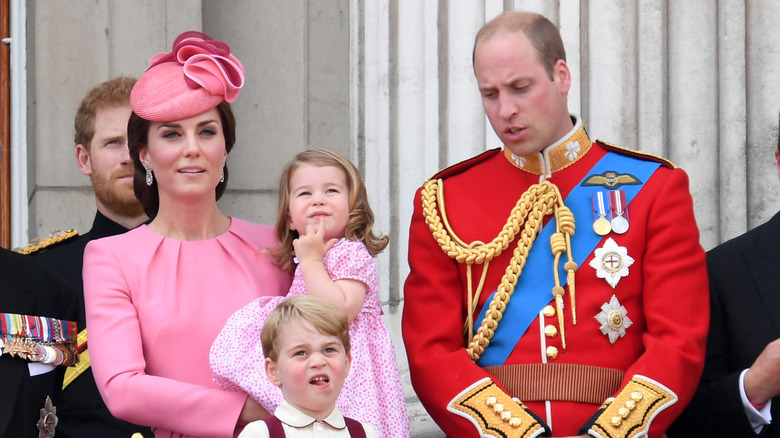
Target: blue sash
(534, 287)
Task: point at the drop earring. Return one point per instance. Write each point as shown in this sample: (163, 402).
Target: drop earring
(149, 176)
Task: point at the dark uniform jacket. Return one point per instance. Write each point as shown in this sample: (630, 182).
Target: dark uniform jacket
(29, 288)
(745, 310)
(81, 411)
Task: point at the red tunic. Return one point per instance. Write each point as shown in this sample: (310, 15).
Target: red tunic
(665, 293)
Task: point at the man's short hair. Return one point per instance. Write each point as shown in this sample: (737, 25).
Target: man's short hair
(113, 92)
(541, 32)
(322, 315)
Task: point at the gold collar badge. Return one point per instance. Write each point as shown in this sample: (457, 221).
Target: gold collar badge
(555, 157)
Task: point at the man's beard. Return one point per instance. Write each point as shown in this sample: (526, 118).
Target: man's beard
(117, 196)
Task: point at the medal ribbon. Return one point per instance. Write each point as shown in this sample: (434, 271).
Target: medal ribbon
(600, 208)
(532, 291)
(14, 326)
(618, 201)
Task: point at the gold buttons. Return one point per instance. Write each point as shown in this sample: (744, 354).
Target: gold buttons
(636, 396)
(624, 412)
(504, 413)
(552, 352)
(550, 331)
(617, 421)
(548, 311)
(630, 404)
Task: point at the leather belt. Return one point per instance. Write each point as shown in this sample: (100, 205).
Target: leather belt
(558, 381)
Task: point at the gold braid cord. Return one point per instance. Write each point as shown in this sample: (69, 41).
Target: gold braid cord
(525, 219)
(56, 236)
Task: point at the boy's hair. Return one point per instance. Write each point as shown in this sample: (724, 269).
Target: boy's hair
(541, 32)
(361, 219)
(114, 92)
(322, 315)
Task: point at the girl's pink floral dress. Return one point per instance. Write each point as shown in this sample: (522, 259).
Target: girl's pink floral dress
(372, 392)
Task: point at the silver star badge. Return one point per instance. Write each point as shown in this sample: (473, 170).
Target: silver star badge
(614, 320)
(611, 262)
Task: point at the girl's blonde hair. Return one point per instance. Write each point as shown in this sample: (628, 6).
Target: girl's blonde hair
(361, 219)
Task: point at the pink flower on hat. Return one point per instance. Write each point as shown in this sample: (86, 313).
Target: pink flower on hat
(207, 63)
(195, 76)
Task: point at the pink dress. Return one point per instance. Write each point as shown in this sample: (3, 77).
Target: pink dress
(372, 392)
(155, 305)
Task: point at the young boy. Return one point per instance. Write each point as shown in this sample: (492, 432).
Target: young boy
(306, 345)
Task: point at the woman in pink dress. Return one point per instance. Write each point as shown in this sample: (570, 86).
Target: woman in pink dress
(325, 228)
(158, 295)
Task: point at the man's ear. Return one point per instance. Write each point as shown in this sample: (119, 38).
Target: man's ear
(83, 160)
(273, 372)
(562, 75)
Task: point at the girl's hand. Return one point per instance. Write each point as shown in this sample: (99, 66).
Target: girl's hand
(312, 246)
(346, 294)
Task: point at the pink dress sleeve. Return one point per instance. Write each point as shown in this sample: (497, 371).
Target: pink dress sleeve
(350, 260)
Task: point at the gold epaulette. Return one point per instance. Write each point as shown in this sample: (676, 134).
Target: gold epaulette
(630, 413)
(54, 238)
(494, 413)
(637, 154)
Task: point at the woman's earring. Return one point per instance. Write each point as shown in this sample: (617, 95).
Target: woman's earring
(149, 176)
(222, 178)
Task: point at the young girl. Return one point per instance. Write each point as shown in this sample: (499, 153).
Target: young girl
(324, 225)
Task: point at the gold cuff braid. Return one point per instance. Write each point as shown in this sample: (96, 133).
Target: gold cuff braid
(494, 413)
(631, 412)
(537, 202)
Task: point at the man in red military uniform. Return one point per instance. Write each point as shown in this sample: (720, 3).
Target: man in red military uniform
(515, 325)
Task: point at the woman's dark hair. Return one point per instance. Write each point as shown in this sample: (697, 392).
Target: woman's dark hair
(138, 138)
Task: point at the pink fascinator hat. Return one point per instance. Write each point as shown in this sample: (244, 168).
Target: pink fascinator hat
(194, 77)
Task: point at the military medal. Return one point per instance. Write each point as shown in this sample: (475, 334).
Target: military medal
(614, 320)
(611, 262)
(47, 423)
(38, 338)
(601, 226)
(619, 220)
